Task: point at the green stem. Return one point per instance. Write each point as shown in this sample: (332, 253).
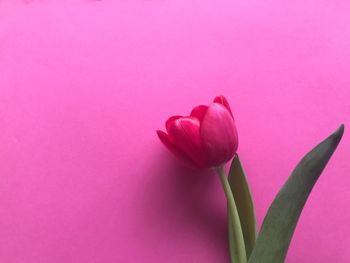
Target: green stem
(230, 234)
(237, 247)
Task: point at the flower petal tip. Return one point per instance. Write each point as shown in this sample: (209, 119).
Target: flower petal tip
(221, 99)
(171, 121)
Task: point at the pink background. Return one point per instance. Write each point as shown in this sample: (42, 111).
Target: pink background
(85, 84)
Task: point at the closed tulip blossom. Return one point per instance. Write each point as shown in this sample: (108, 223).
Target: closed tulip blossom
(207, 138)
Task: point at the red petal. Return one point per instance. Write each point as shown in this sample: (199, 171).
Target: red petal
(166, 140)
(170, 121)
(219, 135)
(185, 134)
(223, 101)
(199, 112)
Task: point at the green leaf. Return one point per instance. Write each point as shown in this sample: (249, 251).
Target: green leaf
(281, 219)
(244, 203)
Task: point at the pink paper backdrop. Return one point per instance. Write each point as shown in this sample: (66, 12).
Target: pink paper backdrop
(85, 84)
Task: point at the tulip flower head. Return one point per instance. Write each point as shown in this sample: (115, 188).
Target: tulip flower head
(207, 138)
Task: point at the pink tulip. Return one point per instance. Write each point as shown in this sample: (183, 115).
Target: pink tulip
(206, 138)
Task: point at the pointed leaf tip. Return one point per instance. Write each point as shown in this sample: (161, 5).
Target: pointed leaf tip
(340, 131)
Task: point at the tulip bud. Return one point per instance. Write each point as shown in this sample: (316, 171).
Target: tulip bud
(207, 138)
